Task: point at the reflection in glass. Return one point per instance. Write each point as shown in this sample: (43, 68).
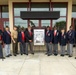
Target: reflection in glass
(5, 13)
(45, 23)
(60, 23)
(39, 7)
(6, 23)
(74, 11)
(34, 23)
(18, 8)
(60, 7)
(20, 22)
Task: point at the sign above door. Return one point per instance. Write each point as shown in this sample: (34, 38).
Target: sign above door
(44, 15)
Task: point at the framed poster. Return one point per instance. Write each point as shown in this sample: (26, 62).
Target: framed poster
(39, 36)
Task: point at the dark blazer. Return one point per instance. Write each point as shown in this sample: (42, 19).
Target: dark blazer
(28, 37)
(55, 38)
(1, 35)
(48, 36)
(75, 36)
(7, 37)
(63, 39)
(71, 36)
(20, 37)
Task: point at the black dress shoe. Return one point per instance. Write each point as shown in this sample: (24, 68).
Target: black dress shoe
(2, 57)
(62, 55)
(15, 55)
(26, 54)
(46, 53)
(7, 56)
(21, 54)
(55, 54)
(10, 54)
(32, 53)
(70, 56)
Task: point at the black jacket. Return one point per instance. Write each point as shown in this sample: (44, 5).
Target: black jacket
(27, 35)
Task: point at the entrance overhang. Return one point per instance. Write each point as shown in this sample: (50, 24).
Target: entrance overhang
(44, 15)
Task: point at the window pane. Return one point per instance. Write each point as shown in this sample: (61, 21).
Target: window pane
(45, 23)
(34, 23)
(39, 7)
(5, 13)
(20, 22)
(61, 22)
(74, 11)
(18, 8)
(60, 7)
(6, 23)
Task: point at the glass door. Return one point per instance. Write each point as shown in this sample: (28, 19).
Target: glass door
(4, 23)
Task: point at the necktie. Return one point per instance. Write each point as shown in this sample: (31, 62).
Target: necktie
(0, 37)
(30, 33)
(54, 33)
(23, 36)
(47, 32)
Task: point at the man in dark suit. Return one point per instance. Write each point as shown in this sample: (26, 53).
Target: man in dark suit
(70, 40)
(55, 40)
(29, 40)
(48, 41)
(7, 41)
(62, 41)
(21, 40)
(1, 42)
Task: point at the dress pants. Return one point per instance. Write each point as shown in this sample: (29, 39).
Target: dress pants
(7, 49)
(31, 47)
(49, 48)
(15, 47)
(22, 48)
(62, 50)
(70, 49)
(1, 51)
(55, 48)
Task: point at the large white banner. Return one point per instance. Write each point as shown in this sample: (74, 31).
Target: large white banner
(39, 36)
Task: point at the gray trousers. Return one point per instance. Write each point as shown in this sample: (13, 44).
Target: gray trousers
(30, 46)
(22, 47)
(70, 49)
(55, 48)
(49, 48)
(1, 51)
(62, 50)
(7, 49)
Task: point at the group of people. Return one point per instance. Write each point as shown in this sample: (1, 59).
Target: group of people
(55, 37)
(25, 39)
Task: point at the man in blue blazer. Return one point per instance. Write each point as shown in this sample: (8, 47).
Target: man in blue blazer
(70, 41)
(21, 40)
(62, 41)
(48, 41)
(55, 40)
(7, 41)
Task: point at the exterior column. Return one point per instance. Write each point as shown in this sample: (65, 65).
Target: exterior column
(10, 15)
(69, 16)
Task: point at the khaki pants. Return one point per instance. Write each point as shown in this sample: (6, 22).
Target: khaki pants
(15, 47)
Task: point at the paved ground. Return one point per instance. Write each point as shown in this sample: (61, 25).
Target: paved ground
(39, 64)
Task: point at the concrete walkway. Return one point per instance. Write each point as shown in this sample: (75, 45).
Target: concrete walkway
(38, 64)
